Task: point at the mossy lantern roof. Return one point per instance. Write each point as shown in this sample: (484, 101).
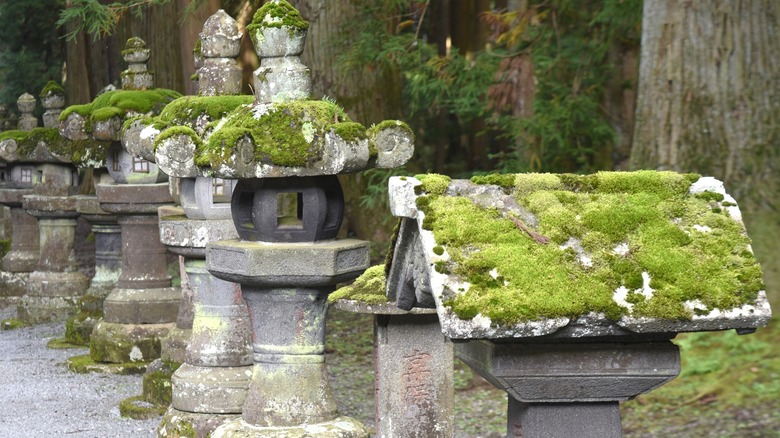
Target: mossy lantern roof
(40, 145)
(614, 253)
(99, 122)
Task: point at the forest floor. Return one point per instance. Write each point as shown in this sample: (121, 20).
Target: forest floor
(729, 387)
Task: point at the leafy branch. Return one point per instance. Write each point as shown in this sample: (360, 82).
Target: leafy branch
(99, 19)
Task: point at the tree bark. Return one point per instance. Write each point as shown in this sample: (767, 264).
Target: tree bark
(708, 103)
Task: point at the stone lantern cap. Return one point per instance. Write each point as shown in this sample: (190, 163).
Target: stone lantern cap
(609, 254)
(101, 120)
(283, 132)
(41, 145)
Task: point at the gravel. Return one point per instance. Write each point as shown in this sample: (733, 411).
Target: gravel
(40, 397)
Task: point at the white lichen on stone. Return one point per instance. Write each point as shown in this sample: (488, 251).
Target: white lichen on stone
(582, 256)
(136, 355)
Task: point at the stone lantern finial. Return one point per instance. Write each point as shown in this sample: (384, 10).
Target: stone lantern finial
(220, 42)
(137, 76)
(53, 100)
(278, 33)
(26, 105)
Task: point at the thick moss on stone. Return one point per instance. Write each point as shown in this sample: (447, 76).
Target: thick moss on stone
(83, 364)
(51, 88)
(372, 132)
(178, 130)
(607, 231)
(139, 409)
(290, 134)
(187, 109)
(120, 102)
(506, 181)
(433, 183)
(27, 141)
(368, 288)
(277, 14)
(350, 131)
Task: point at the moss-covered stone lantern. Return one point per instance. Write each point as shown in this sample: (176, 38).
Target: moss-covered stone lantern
(210, 387)
(565, 290)
(143, 306)
(42, 164)
(285, 150)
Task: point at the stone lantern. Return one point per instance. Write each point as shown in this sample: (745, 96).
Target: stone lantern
(55, 285)
(211, 385)
(23, 255)
(286, 150)
(143, 306)
(566, 290)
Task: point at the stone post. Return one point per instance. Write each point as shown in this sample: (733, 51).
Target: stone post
(413, 369)
(571, 389)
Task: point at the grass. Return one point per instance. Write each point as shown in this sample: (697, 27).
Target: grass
(729, 386)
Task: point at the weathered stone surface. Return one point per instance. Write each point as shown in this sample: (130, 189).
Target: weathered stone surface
(133, 198)
(142, 306)
(563, 420)
(136, 77)
(190, 236)
(341, 427)
(216, 390)
(120, 343)
(277, 264)
(413, 375)
(25, 240)
(220, 43)
(26, 106)
(199, 200)
(176, 423)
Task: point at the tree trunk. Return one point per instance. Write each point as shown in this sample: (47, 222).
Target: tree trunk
(708, 103)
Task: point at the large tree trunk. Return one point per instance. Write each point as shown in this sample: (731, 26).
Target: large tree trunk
(708, 103)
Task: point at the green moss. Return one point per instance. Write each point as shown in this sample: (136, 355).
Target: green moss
(369, 287)
(438, 250)
(374, 130)
(600, 212)
(433, 183)
(120, 102)
(178, 130)
(277, 14)
(350, 131)
(187, 109)
(288, 134)
(27, 141)
(133, 45)
(195, 77)
(710, 196)
(139, 409)
(5, 246)
(51, 88)
(12, 324)
(198, 49)
(502, 180)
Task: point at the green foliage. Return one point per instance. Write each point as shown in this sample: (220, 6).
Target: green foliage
(30, 51)
(567, 43)
(99, 18)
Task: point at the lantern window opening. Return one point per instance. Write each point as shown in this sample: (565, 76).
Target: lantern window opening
(221, 191)
(26, 175)
(115, 161)
(289, 210)
(140, 165)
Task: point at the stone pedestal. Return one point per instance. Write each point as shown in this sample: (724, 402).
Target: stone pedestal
(211, 386)
(23, 256)
(413, 369)
(108, 260)
(285, 286)
(56, 285)
(564, 389)
(143, 307)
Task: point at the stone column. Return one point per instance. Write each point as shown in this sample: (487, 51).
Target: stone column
(413, 372)
(55, 285)
(108, 260)
(566, 389)
(143, 307)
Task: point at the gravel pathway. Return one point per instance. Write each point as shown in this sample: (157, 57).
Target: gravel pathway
(40, 397)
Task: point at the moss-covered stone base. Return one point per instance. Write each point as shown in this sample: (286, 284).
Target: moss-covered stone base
(84, 364)
(78, 327)
(62, 344)
(177, 423)
(157, 382)
(12, 324)
(119, 343)
(341, 427)
(139, 409)
(13, 285)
